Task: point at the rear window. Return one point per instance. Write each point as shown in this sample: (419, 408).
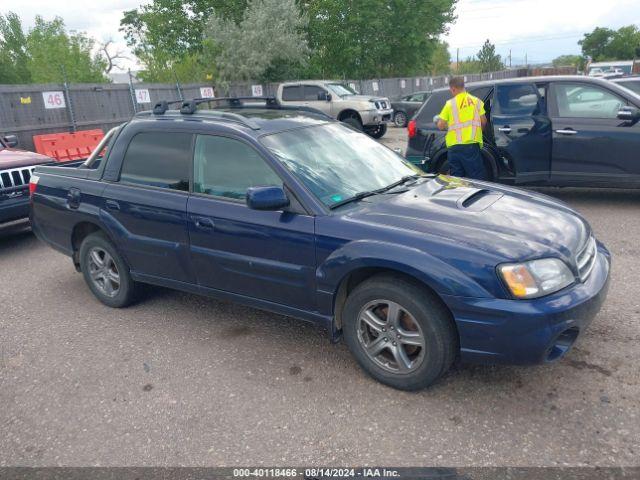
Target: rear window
(292, 93)
(158, 159)
(433, 106)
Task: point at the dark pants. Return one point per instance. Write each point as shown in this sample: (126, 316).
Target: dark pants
(466, 161)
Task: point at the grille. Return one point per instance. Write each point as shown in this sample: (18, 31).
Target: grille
(16, 177)
(382, 105)
(586, 258)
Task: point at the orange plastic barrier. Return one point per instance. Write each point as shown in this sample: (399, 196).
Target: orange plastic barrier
(64, 147)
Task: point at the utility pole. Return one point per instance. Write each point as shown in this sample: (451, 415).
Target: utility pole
(457, 60)
(509, 58)
(526, 63)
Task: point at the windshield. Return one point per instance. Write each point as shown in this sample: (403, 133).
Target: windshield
(340, 90)
(336, 163)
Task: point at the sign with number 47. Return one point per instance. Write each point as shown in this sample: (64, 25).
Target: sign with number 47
(53, 100)
(142, 95)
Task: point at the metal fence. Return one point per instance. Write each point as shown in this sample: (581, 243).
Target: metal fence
(27, 110)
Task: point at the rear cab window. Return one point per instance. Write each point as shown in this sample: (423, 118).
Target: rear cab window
(158, 159)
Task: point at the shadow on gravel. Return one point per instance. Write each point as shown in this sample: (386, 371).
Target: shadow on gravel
(16, 235)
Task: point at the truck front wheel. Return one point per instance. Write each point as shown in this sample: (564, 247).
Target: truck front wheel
(105, 271)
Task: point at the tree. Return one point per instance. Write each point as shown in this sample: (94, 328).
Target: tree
(266, 45)
(606, 44)
(440, 62)
(111, 56)
(470, 65)
(488, 60)
(594, 44)
(50, 49)
(577, 61)
(13, 50)
(369, 38)
(167, 35)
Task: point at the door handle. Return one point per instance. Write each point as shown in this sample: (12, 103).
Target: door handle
(566, 131)
(204, 223)
(112, 205)
(505, 129)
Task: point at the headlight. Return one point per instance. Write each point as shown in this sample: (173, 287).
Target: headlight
(536, 278)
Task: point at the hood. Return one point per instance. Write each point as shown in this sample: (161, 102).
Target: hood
(363, 98)
(12, 158)
(507, 223)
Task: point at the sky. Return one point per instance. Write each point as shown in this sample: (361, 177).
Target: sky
(538, 29)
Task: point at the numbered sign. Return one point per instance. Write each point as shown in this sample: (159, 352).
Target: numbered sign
(142, 95)
(53, 100)
(206, 92)
(418, 82)
(403, 84)
(374, 85)
(353, 86)
(256, 90)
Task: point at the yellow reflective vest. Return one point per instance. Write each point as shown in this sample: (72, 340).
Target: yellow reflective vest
(462, 114)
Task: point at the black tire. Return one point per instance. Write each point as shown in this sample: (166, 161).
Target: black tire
(400, 119)
(101, 280)
(432, 320)
(354, 122)
(377, 132)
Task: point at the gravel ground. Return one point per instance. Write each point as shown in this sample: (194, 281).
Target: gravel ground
(184, 380)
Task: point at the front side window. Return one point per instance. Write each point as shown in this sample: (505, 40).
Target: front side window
(311, 92)
(335, 162)
(158, 159)
(576, 100)
(226, 167)
(518, 99)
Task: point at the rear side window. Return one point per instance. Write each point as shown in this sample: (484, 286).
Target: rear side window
(433, 106)
(158, 159)
(292, 93)
(517, 99)
(226, 167)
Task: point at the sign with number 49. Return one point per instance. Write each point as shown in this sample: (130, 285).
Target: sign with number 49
(53, 100)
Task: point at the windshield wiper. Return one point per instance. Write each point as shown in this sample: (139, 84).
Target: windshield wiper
(378, 191)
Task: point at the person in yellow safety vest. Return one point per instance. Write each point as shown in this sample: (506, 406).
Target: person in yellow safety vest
(463, 117)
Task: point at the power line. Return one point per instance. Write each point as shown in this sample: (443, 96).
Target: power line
(540, 38)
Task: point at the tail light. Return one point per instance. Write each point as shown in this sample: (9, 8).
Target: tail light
(33, 184)
(412, 128)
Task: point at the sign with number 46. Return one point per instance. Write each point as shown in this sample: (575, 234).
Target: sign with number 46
(53, 100)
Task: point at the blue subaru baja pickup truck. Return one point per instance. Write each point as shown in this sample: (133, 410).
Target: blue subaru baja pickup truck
(287, 210)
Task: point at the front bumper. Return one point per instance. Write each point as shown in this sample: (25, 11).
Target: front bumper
(529, 331)
(14, 207)
(376, 117)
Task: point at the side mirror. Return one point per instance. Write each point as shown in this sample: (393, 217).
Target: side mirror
(629, 114)
(10, 141)
(267, 198)
(324, 96)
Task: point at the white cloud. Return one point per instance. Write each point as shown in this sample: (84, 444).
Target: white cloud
(540, 29)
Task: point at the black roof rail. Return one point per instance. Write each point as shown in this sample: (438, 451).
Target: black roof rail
(163, 105)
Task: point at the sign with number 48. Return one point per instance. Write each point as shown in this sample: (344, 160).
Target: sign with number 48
(53, 100)
(206, 92)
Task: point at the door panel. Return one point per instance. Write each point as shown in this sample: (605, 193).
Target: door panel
(590, 144)
(261, 254)
(151, 228)
(522, 131)
(310, 93)
(268, 255)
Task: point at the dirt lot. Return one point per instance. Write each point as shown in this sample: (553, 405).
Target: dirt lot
(184, 380)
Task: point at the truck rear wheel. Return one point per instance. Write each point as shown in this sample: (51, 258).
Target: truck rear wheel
(105, 271)
(378, 131)
(354, 122)
(399, 333)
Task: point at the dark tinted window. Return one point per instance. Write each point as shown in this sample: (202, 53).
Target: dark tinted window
(517, 99)
(225, 167)
(311, 92)
(292, 93)
(575, 100)
(480, 92)
(159, 159)
(633, 85)
(433, 106)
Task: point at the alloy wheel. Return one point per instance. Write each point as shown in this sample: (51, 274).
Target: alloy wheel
(400, 119)
(391, 337)
(104, 272)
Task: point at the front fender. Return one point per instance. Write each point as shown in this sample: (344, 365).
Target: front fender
(438, 275)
